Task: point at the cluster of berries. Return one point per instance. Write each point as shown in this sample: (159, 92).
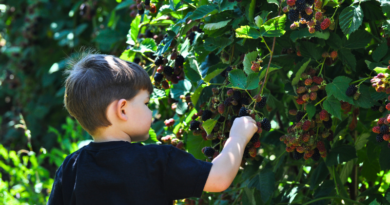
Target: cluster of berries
(304, 138)
(169, 122)
(172, 140)
(301, 13)
(382, 129)
(256, 65)
(308, 87)
(330, 58)
(170, 74)
(142, 5)
(191, 33)
(381, 82)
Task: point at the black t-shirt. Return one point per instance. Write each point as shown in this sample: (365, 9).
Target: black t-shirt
(119, 172)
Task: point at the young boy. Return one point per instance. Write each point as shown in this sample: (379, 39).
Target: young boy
(108, 97)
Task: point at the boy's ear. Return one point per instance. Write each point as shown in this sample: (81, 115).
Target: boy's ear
(121, 109)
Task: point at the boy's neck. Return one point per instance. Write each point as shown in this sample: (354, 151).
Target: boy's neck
(108, 134)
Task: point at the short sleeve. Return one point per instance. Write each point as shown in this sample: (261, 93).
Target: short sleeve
(56, 192)
(184, 175)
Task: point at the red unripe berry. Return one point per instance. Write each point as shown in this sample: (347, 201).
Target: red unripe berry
(230, 92)
(325, 24)
(388, 106)
(308, 81)
(312, 30)
(300, 149)
(313, 96)
(386, 137)
(321, 146)
(333, 54)
(291, 2)
(324, 115)
(221, 108)
(311, 23)
(257, 97)
(165, 84)
(305, 97)
(301, 90)
(376, 129)
(317, 80)
(308, 10)
(306, 137)
(153, 9)
(306, 125)
(299, 53)
(285, 9)
(292, 112)
(381, 121)
(255, 67)
(289, 149)
(300, 101)
(257, 144)
(325, 54)
(160, 69)
(293, 26)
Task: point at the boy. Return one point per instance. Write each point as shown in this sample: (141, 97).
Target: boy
(108, 97)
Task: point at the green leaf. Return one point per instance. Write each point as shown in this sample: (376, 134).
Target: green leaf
(318, 175)
(208, 125)
(247, 32)
(333, 106)
(384, 158)
(304, 33)
(272, 67)
(124, 4)
(346, 171)
(380, 52)
(203, 11)
(197, 92)
(152, 137)
(338, 88)
(348, 58)
(214, 71)
(365, 100)
(381, 70)
(264, 182)
(274, 27)
(385, 5)
(181, 107)
(358, 39)
(214, 26)
(334, 41)
(133, 32)
(147, 45)
(226, 5)
(302, 66)
(248, 196)
(165, 43)
(195, 144)
(210, 44)
(311, 50)
(350, 19)
(370, 168)
(259, 21)
(372, 65)
(252, 81)
(361, 141)
(273, 2)
(181, 88)
(311, 110)
(157, 94)
(237, 79)
(340, 154)
(249, 57)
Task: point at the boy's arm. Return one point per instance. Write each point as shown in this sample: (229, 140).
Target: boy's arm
(226, 164)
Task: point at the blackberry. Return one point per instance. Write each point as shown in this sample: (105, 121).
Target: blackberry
(379, 138)
(328, 124)
(237, 95)
(243, 112)
(262, 103)
(179, 60)
(255, 138)
(137, 60)
(194, 125)
(159, 61)
(306, 17)
(317, 27)
(300, 115)
(300, 7)
(168, 70)
(384, 129)
(206, 115)
(293, 15)
(316, 156)
(266, 124)
(351, 90)
(310, 2)
(147, 2)
(158, 77)
(140, 12)
(209, 152)
(297, 155)
(302, 2)
(228, 101)
(191, 37)
(244, 101)
(225, 72)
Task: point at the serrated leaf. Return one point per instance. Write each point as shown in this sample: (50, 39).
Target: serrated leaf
(361, 141)
(133, 32)
(214, 71)
(311, 50)
(247, 32)
(181, 88)
(384, 158)
(370, 169)
(381, 70)
(311, 110)
(195, 144)
(272, 68)
(252, 81)
(274, 27)
(340, 154)
(197, 92)
(358, 39)
(203, 11)
(334, 41)
(249, 57)
(380, 52)
(302, 66)
(124, 4)
(304, 33)
(264, 182)
(214, 26)
(372, 65)
(346, 171)
(259, 21)
(237, 79)
(147, 45)
(208, 125)
(385, 5)
(318, 175)
(351, 19)
(338, 88)
(333, 106)
(348, 58)
(211, 44)
(365, 100)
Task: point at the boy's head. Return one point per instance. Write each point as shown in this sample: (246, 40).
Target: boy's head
(108, 96)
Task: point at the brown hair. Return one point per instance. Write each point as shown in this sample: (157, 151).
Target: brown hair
(94, 80)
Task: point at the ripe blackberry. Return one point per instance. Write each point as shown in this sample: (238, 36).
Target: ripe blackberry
(244, 101)
(266, 124)
(262, 103)
(158, 77)
(379, 138)
(293, 15)
(300, 115)
(228, 101)
(302, 2)
(225, 72)
(300, 7)
(168, 70)
(147, 2)
(209, 151)
(140, 12)
(310, 2)
(318, 28)
(384, 129)
(297, 155)
(306, 16)
(243, 112)
(206, 115)
(137, 60)
(316, 156)
(191, 37)
(159, 61)
(237, 95)
(351, 90)
(179, 60)
(255, 138)
(328, 124)
(194, 125)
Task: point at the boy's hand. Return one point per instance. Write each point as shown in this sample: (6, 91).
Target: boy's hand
(243, 127)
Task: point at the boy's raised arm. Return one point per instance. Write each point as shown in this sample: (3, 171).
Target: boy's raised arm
(226, 164)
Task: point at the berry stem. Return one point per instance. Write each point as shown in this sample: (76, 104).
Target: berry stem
(361, 80)
(335, 12)
(321, 101)
(271, 52)
(322, 66)
(149, 59)
(231, 56)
